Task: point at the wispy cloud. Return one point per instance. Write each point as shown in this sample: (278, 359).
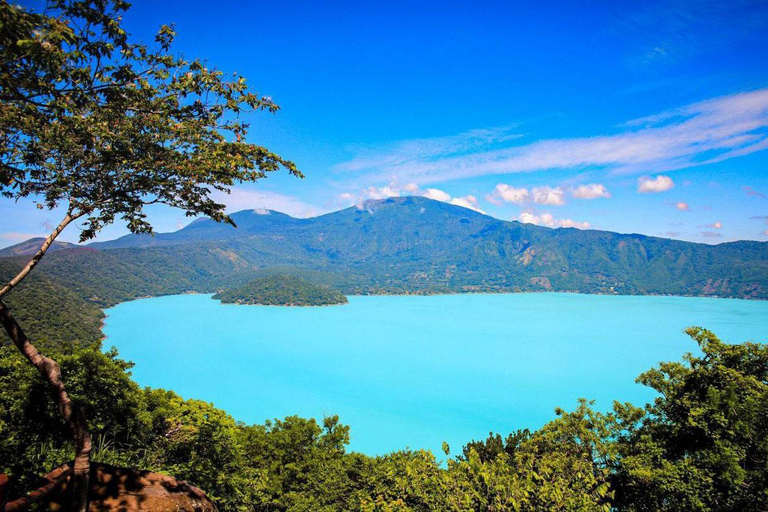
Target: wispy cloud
(14, 236)
(404, 152)
(752, 192)
(667, 32)
(696, 134)
(764, 218)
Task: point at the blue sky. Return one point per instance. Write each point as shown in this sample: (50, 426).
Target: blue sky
(647, 117)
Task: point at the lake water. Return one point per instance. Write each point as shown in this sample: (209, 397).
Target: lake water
(414, 371)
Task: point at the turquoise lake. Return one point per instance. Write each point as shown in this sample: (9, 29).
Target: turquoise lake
(414, 371)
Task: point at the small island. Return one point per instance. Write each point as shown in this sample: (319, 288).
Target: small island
(281, 290)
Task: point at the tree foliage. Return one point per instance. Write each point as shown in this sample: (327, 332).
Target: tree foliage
(106, 126)
(703, 443)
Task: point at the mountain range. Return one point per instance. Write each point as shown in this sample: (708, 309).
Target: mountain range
(409, 245)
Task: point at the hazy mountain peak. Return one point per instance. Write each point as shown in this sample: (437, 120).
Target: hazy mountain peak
(32, 245)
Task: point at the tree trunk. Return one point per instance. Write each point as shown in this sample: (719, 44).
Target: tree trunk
(72, 414)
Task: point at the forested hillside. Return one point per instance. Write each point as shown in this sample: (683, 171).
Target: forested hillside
(51, 313)
(413, 244)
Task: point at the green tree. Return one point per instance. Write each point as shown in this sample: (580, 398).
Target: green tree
(703, 443)
(33, 440)
(102, 126)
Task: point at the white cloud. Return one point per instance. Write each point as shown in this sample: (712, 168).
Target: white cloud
(696, 134)
(716, 225)
(381, 192)
(548, 220)
(590, 191)
(508, 194)
(437, 195)
(568, 223)
(540, 220)
(649, 185)
(548, 195)
(683, 207)
(467, 202)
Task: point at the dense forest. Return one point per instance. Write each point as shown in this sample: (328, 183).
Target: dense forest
(51, 312)
(700, 446)
(281, 290)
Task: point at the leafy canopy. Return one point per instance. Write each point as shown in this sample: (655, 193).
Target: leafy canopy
(106, 126)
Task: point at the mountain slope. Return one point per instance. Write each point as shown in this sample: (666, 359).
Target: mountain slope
(51, 314)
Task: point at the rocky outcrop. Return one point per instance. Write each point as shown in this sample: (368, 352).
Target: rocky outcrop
(123, 489)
